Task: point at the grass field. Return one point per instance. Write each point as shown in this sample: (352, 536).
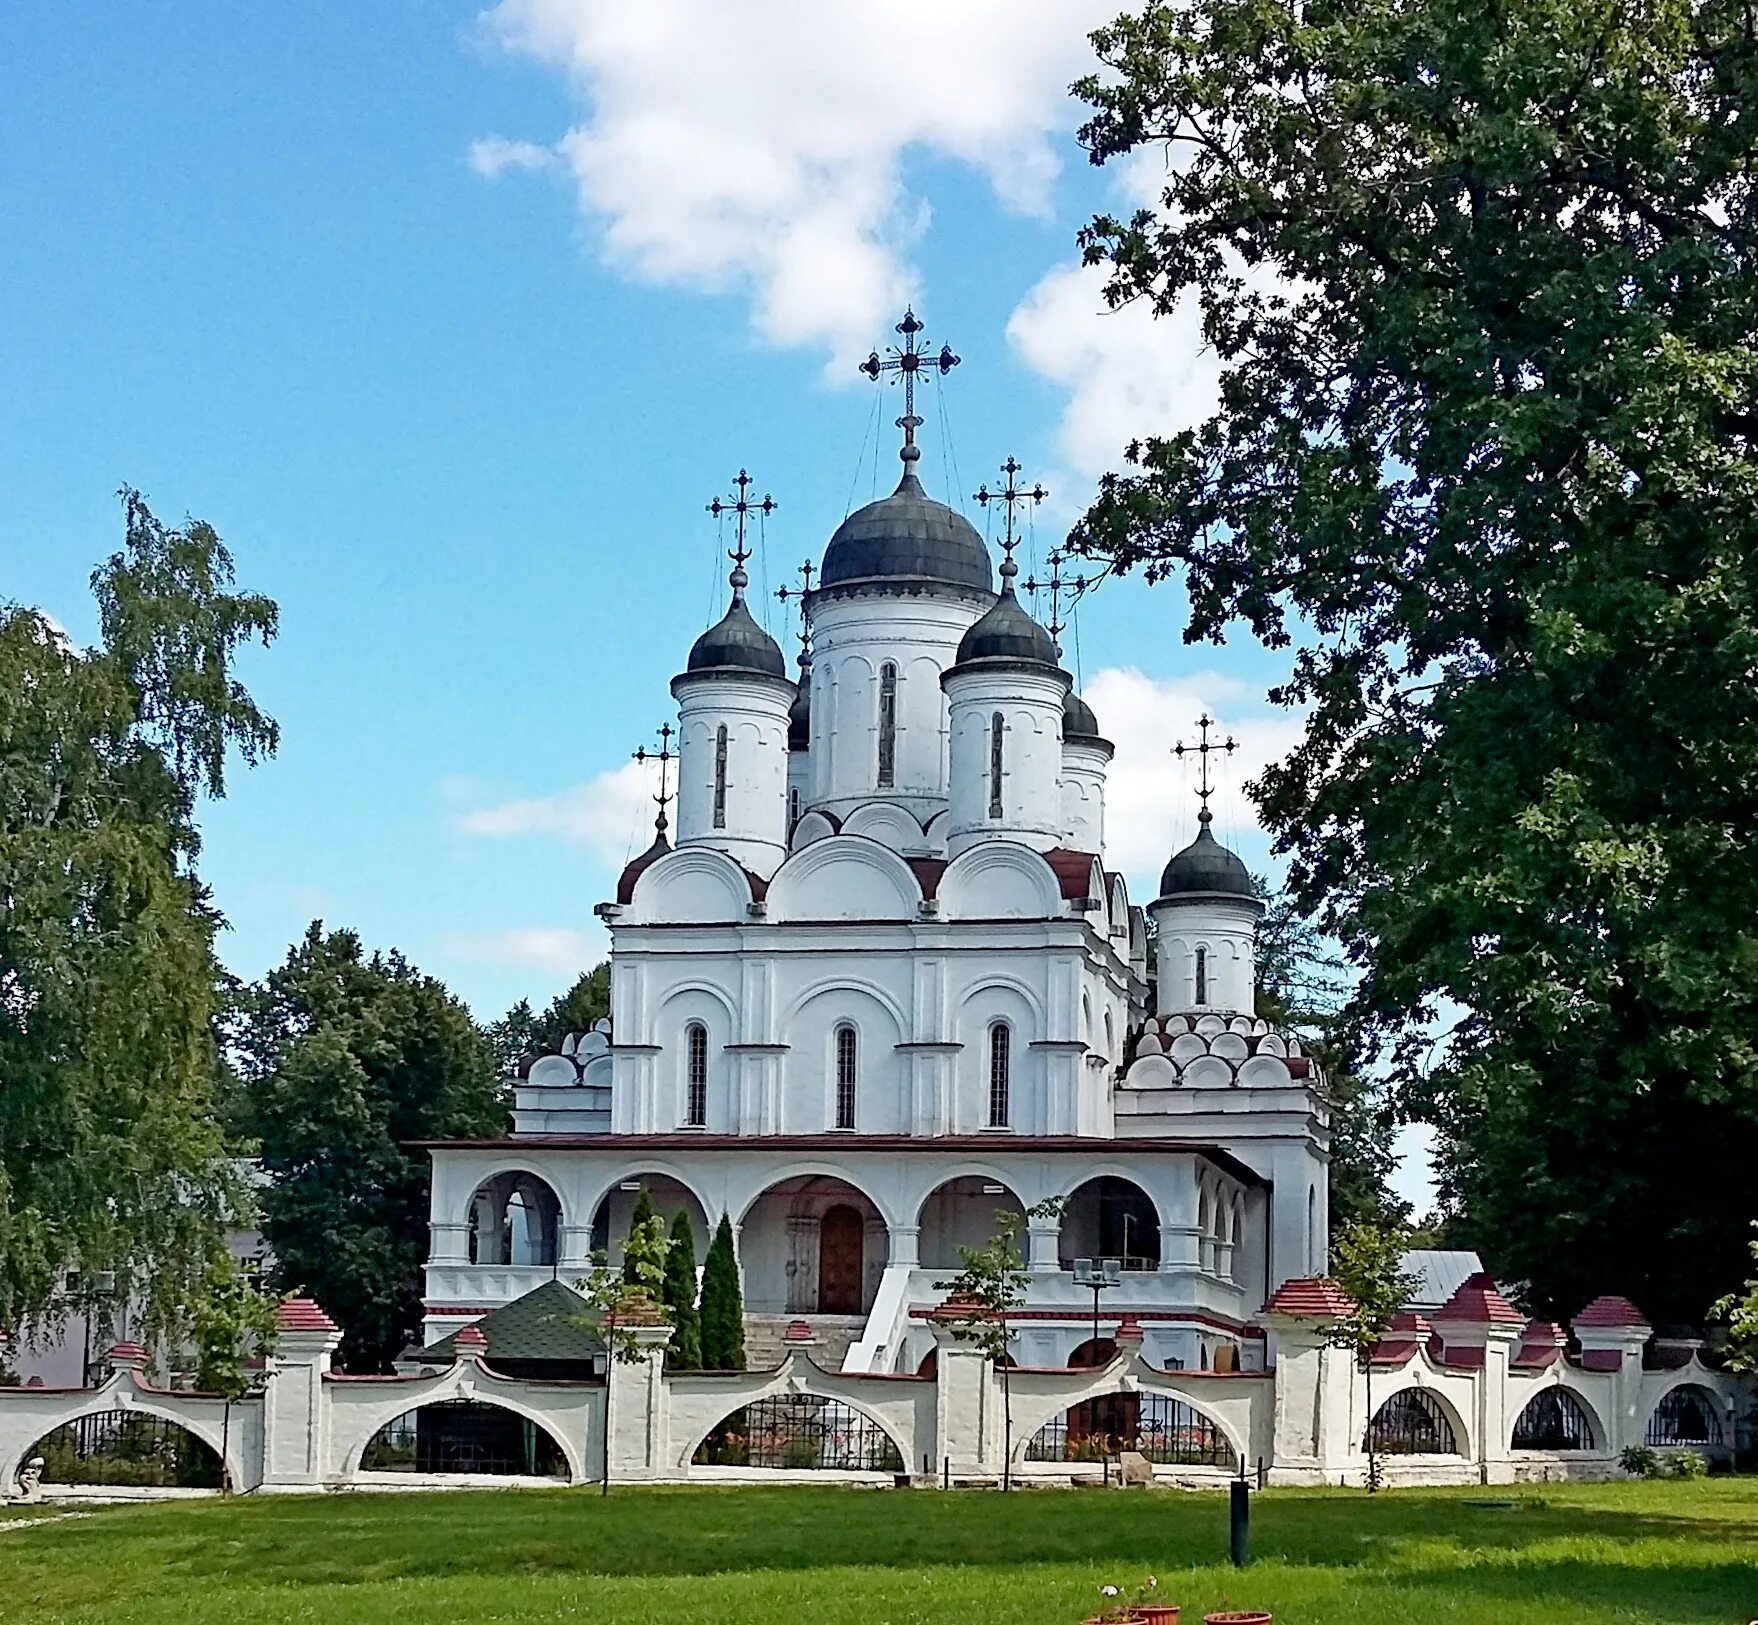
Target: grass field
(1650, 1552)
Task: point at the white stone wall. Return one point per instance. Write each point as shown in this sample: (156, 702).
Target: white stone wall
(753, 710)
(1029, 704)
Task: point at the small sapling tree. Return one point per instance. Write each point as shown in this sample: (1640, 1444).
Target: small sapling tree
(1740, 1311)
(1367, 1262)
(233, 1324)
(620, 1300)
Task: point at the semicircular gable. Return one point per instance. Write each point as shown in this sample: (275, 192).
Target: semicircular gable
(1000, 880)
(844, 877)
(813, 826)
(889, 825)
(693, 885)
(1118, 925)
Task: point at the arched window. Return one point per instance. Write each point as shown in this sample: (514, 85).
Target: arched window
(793, 807)
(696, 1076)
(845, 1077)
(1202, 976)
(1553, 1420)
(887, 725)
(996, 732)
(720, 778)
(1412, 1423)
(1000, 1073)
(1685, 1415)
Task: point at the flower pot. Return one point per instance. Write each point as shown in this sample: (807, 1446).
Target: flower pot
(1243, 1616)
(1156, 1613)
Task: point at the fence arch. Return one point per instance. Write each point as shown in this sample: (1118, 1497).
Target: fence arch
(806, 1426)
(1556, 1418)
(1416, 1422)
(136, 1447)
(1685, 1414)
(466, 1435)
(1166, 1428)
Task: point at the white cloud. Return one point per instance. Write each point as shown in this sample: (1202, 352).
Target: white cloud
(546, 948)
(1127, 372)
(1150, 796)
(759, 145)
(493, 155)
(612, 814)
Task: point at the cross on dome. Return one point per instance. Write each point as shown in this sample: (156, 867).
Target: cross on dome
(802, 592)
(1010, 496)
(1204, 751)
(743, 507)
(906, 361)
(665, 756)
(1054, 585)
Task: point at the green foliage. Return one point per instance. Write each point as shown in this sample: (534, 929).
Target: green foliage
(1639, 1461)
(347, 1062)
(640, 1215)
(234, 1323)
(523, 1031)
(1740, 1311)
(110, 1156)
(1482, 282)
(1303, 985)
(723, 1304)
(992, 1282)
(1365, 1261)
(678, 1294)
(612, 1294)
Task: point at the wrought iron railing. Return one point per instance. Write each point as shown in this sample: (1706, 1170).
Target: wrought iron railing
(464, 1436)
(1687, 1415)
(800, 1431)
(1553, 1420)
(126, 1447)
(1411, 1423)
(1167, 1431)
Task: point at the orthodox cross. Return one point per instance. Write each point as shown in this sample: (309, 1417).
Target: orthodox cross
(743, 507)
(801, 592)
(907, 362)
(665, 756)
(1010, 496)
(1205, 750)
(1054, 586)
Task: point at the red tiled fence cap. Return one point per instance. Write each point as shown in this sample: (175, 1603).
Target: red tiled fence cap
(1313, 1297)
(798, 1332)
(470, 1338)
(302, 1315)
(1611, 1311)
(124, 1351)
(1477, 1300)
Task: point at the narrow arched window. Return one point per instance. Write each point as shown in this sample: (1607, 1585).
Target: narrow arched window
(887, 725)
(846, 1055)
(720, 778)
(1202, 976)
(696, 1076)
(793, 807)
(1000, 1073)
(996, 763)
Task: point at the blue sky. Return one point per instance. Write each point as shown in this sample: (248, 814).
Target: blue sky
(453, 320)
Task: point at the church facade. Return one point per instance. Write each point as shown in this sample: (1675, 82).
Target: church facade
(883, 986)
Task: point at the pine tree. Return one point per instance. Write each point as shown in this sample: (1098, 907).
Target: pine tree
(642, 1212)
(678, 1293)
(723, 1307)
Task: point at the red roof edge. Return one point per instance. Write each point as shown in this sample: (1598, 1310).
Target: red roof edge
(1479, 1302)
(1310, 1297)
(1611, 1311)
(302, 1315)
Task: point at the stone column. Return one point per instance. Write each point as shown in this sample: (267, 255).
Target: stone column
(1312, 1435)
(1043, 1244)
(967, 1401)
(295, 1410)
(636, 1395)
(1494, 1423)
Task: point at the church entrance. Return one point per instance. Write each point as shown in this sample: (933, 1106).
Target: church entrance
(839, 1261)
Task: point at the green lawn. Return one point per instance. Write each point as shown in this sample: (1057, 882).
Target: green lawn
(1650, 1552)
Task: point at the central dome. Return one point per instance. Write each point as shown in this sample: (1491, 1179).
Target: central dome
(906, 537)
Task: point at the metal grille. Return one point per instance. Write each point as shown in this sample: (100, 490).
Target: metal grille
(1166, 1431)
(1000, 1068)
(1687, 1415)
(126, 1447)
(696, 1105)
(845, 1077)
(464, 1436)
(887, 725)
(1553, 1420)
(800, 1431)
(1411, 1423)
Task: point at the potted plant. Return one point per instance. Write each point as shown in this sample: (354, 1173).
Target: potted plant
(1143, 1608)
(1239, 1616)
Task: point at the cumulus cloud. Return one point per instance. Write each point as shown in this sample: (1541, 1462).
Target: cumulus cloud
(612, 814)
(546, 948)
(1150, 801)
(493, 155)
(759, 145)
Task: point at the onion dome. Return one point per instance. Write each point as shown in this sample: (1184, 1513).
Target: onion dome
(1078, 721)
(736, 645)
(1205, 866)
(799, 714)
(906, 539)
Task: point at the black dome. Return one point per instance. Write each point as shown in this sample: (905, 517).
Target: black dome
(799, 714)
(1007, 633)
(1207, 866)
(1078, 718)
(736, 644)
(907, 536)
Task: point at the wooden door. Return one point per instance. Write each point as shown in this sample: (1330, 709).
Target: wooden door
(840, 1236)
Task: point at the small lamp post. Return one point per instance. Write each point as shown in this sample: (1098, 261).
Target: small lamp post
(1098, 1274)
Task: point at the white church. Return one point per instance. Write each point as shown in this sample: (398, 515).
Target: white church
(883, 986)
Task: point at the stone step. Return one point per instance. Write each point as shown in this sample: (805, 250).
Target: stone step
(834, 1335)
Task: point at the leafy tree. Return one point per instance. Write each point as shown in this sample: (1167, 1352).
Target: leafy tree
(234, 1324)
(1482, 281)
(1740, 1311)
(110, 1156)
(990, 1286)
(522, 1031)
(1367, 1262)
(678, 1293)
(620, 1300)
(723, 1304)
(348, 1062)
(1302, 985)
(639, 1215)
